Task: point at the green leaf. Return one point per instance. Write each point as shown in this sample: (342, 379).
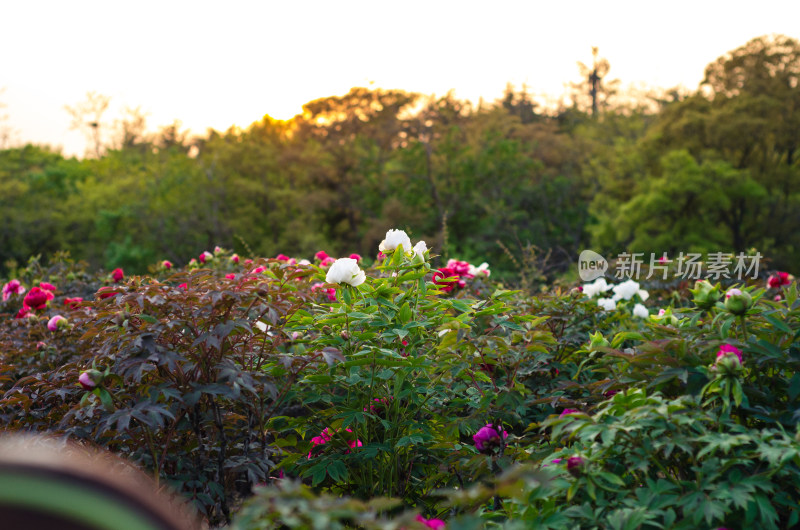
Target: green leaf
(778, 324)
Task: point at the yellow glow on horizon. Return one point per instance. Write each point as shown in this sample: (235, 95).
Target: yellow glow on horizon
(215, 66)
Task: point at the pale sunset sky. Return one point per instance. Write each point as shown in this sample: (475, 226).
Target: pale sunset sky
(217, 64)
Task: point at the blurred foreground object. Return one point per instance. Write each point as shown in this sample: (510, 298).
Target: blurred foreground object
(45, 483)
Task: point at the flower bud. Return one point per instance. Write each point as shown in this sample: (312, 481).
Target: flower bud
(738, 302)
(56, 323)
(597, 340)
(90, 379)
(705, 294)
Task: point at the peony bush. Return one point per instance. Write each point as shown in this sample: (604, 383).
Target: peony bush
(411, 392)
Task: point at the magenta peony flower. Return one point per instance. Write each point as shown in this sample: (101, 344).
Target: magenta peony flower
(12, 287)
(487, 438)
(117, 275)
(258, 270)
(282, 257)
(727, 349)
(356, 257)
(575, 465)
(321, 255)
(205, 256)
(48, 287)
(567, 412)
(325, 436)
(436, 524)
(54, 323)
(235, 258)
(183, 286)
(440, 274)
(230, 276)
(166, 264)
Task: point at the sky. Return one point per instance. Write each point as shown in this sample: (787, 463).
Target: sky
(219, 64)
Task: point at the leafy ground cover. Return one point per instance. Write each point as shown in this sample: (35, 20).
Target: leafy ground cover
(332, 394)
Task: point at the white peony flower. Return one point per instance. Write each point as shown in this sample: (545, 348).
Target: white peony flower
(395, 238)
(419, 248)
(640, 311)
(595, 288)
(644, 295)
(483, 268)
(626, 290)
(345, 270)
(608, 304)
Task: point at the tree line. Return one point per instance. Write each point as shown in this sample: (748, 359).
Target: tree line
(522, 187)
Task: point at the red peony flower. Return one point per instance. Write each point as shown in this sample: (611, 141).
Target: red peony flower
(778, 280)
(72, 303)
(37, 298)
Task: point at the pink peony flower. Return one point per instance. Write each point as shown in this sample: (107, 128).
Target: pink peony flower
(217, 250)
(37, 298)
(86, 381)
(436, 524)
(331, 292)
(727, 349)
(235, 258)
(258, 270)
(166, 264)
(183, 286)
(48, 287)
(321, 255)
(117, 275)
(230, 276)
(487, 438)
(460, 268)
(54, 323)
(248, 261)
(356, 257)
(327, 262)
(282, 257)
(12, 287)
(72, 303)
(778, 298)
(205, 256)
